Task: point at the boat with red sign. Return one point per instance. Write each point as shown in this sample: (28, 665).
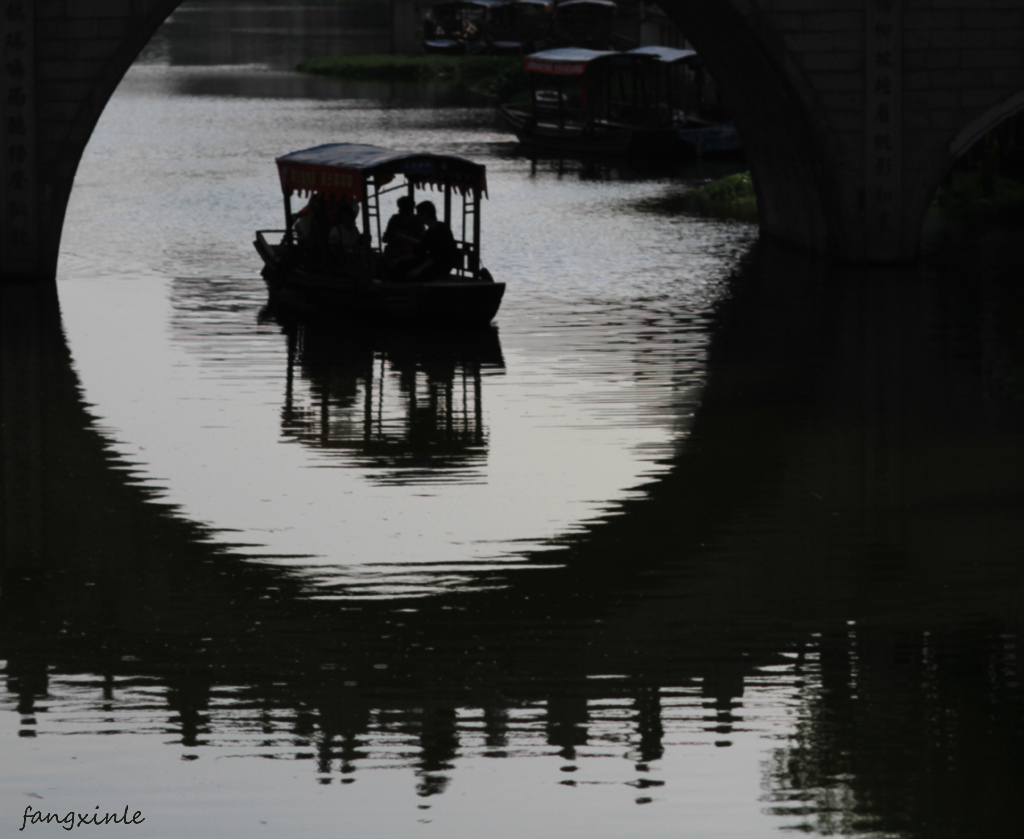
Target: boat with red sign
(334, 256)
(594, 101)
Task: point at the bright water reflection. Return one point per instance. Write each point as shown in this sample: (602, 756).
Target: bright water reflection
(707, 539)
(583, 395)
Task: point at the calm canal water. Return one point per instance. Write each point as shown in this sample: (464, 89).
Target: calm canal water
(705, 538)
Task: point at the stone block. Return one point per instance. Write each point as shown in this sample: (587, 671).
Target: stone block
(100, 8)
(53, 48)
(986, 39)
(1008, 78)
(916, 39)
(849, 40)
(804, 5)
(63, 91)
(992, 58)
(944, 60)
(843, 100)
(833, 61)
(115, 27)
(834, 20)
(99, 47)
(959, 79)
(847, 121)
(839, 81)
(788, 21)
(70, 69)
(973, 5)
(47, 9)
(994, 19)
(64, 28)
(931, 20)
(913, 121)
(808, 42)
(978, 98)
(56, 113)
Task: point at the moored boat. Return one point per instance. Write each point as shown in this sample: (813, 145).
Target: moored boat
(459, 28)
(595, 102)
(699, 131)
(321, 263)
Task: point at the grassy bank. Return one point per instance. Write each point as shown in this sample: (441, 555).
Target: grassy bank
(978, 193)
(731, 197)
(488, 74)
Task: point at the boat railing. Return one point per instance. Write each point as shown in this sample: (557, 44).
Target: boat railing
(554, 113)
(263, 238)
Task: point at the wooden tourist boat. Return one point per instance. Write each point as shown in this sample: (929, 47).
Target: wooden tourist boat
(700, 131)
(459, 28)
(594, 102)
(309, 268)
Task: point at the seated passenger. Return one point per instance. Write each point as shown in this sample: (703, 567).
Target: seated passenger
(437, 253)
(344, 232)
(403, 232)
(310, 223)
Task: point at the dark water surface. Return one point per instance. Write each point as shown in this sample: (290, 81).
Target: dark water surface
(705, 538)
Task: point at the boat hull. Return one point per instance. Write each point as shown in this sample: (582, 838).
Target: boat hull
(590, 138)
(450, 302)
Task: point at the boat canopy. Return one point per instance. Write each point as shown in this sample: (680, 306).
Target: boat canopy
(454, 4)
(341, 170)
(667, 55)
(564, 61)
(607, 4)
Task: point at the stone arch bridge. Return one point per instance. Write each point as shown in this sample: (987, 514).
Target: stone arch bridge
(851, 111)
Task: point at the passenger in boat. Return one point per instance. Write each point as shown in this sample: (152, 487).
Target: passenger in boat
(344, 233)
(305, 218)
(312, 228)
(401, 237)
(437, 253)
(404, 230)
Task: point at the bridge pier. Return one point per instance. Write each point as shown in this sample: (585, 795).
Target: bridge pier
(851, 111)
(60, 61)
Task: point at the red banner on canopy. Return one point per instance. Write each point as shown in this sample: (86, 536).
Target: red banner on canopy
(346, 184)
(555, 68)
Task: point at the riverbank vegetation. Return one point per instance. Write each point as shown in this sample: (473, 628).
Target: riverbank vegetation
(731, 197)
(491, 75)
(988, 180)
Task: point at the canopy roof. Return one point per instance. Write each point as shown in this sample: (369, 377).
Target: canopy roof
(564, 61)
(669, 55)
(608, 4)
(453, 4)
(341, 170)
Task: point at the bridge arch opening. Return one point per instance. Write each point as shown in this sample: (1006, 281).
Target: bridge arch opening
(983, 168)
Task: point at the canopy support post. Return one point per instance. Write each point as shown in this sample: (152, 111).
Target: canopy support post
(477, 204)
(288, 235)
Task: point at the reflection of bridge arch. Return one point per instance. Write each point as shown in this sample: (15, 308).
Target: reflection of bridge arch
(850, 117)
(819, 485)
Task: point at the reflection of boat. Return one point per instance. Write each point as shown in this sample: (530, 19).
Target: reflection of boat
(458, 28)
(594, 101)
(317, 274)
(685, 83)
(408, 405)
(712, 138)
